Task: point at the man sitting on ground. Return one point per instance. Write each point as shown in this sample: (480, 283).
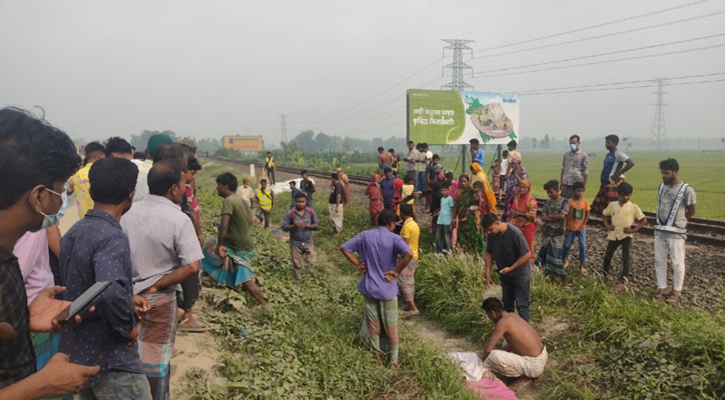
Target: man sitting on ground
(523, 356)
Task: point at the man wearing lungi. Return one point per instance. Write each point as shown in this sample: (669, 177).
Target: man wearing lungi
(523, 355)
(553, 215)
(164, 252)
(236, 244)
(615, 164)
(379, 249)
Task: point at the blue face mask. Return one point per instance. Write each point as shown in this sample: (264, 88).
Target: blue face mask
(573, 147)
(54, 219)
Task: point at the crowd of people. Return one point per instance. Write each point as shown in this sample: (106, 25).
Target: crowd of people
(464, 217)
(140, 230)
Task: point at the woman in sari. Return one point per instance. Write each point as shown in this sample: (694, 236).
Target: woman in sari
(462, 184)
(523, 213)
(376, 198)
(517, 173)
(470, 233)
(486, 191)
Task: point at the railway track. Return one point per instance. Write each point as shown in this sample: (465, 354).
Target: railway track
(700, 230)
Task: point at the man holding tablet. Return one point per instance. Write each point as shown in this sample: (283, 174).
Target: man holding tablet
(96, 249)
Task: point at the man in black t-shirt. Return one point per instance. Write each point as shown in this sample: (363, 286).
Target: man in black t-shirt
(506, 245)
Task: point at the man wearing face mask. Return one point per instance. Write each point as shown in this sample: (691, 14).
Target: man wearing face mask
(153, 225)
(37, 160)
(575, 168)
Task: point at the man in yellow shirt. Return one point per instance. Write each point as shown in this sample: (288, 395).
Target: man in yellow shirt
(406, 280)
(79, 183)
(623, 215)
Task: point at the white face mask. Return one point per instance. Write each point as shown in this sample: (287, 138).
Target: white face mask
(573, 147)
(53, 219)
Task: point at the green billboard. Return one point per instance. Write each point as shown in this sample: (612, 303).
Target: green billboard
(439, 117)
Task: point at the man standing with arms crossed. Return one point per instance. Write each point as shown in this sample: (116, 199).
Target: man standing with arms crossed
(575, 168)
(675, 206)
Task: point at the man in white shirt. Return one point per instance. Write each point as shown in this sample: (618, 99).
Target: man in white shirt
(246, 192)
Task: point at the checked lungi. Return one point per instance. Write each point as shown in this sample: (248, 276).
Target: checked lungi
(233, 273)
(156, 341)
(379, 330)
(550, 256)
(406, 280)
(607, 194)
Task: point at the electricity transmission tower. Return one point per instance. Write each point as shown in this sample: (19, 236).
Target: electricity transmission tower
(283, 126)
(658, 139)
(457, 67)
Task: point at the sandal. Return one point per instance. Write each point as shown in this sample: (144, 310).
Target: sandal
(195, 327)
(673, 298)
(661, 296)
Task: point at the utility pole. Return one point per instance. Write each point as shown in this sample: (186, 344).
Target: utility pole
(658, 139)
(458, 68)
(283, 126)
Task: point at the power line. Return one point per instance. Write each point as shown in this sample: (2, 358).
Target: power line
(603, 35)
(626, 87)
(606, 61)
(388, 88)
(345, 119)
(527, 92)
(606, 54)
(649, 14)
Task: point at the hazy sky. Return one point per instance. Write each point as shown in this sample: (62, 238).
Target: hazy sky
(213, 68)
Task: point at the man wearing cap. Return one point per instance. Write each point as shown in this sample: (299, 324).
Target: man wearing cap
(142, 185)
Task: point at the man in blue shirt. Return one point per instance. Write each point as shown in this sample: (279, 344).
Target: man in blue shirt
(294, 191)
(300, 221)
(616, 163)
(379, 249)
(96, 249)
(477, 154)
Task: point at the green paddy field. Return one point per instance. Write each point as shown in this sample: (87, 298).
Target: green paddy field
(705, 171)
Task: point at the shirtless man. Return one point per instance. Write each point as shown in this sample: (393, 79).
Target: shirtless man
(523, 355)
(385, 159)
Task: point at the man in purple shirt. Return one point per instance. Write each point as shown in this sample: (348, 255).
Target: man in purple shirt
(379, 249)
(96, 249)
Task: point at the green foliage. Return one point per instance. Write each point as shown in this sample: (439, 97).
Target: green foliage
(614, 346)
(304, 343)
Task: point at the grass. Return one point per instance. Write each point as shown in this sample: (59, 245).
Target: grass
(618, 346)
(304, 343)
